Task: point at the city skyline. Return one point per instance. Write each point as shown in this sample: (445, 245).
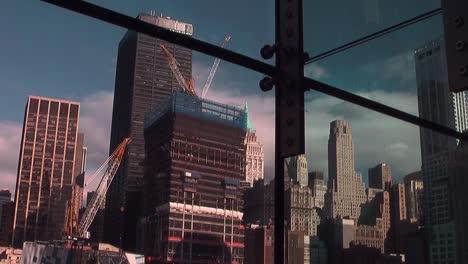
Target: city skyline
(231, 85)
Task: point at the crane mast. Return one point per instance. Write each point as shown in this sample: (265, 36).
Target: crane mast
(109, 167)
(213, 70)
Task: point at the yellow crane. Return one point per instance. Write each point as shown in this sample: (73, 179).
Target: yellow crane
(107, 171)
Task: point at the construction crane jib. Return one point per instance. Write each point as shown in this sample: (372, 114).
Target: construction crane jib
(188, 88)
(108, 169)
(213, 70)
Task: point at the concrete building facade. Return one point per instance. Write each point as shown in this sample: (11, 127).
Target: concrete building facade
(380, 176)
(346, 190)
(318, 187)
(414, 187)
(143, 79)
(46, 169)
(255, 158)
(298, 169)
(193, 205)
(436, 103)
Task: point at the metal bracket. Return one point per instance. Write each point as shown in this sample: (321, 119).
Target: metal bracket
(456, 42)
(289, 87)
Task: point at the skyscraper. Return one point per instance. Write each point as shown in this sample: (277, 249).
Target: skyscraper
(414, 196)
(143, 79)
(380, 176)
(346, 190)
(46, 168)
(436, 103)
(5, 197)
(80, 166)
(254, 163)
(298, 169)
(318, 187)
(193, 168)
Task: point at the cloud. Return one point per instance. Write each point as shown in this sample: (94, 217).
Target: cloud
(316, 71)
(95, 123)
(399, 68)
(10, 140)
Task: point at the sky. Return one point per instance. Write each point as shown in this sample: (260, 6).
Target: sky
(48, 51)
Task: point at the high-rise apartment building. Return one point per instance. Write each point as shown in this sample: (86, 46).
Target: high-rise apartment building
(346, 191)
(46, 168)
(414, 196)
(254, 163)
(193, 168)
(143, 79)
(298, 169)
(318, 187)
(436, 103)
(380, 176)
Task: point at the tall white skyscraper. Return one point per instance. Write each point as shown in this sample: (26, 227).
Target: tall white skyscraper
(346, 190)
(255, 165)
(436, 103)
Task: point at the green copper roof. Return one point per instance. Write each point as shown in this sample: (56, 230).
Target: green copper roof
(249, 123)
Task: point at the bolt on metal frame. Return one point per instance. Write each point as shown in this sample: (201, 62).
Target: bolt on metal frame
(279, 77)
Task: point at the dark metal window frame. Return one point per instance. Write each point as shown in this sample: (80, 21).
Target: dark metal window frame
(134, 24)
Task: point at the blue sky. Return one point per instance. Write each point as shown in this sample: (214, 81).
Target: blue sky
(48, 51)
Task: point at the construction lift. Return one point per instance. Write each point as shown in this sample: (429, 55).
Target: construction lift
(190, 87)
(74, 230)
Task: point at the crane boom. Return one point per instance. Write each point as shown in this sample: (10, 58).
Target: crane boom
(213, 70)
(188, 88)
(111, 165)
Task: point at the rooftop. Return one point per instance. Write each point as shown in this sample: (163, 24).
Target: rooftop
(194, 106)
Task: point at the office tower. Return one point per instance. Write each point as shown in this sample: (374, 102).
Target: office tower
(369, 236)
(300, 212)
(346, 190)
(193, 168)
(259, 245)
(143, 79)
(298, 169)
(259, 203)
(294, 245)
(318, 187)
(5, 197)
(6, 225)
(254, 164)
(414, 196)
(80, 167)
(436, 103)
(317, 250)
(458, 185)
(398, 217)
(380, 176)
(46, 169)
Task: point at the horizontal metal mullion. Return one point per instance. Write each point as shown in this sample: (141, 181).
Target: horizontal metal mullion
(131, 23)
(128, 22)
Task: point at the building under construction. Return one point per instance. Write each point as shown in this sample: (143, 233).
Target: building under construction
(194, 163)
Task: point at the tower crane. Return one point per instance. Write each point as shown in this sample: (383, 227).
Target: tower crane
(107, 170)
(213, 69)
(190, 87)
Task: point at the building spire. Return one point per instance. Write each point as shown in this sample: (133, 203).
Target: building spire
(249, 123)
